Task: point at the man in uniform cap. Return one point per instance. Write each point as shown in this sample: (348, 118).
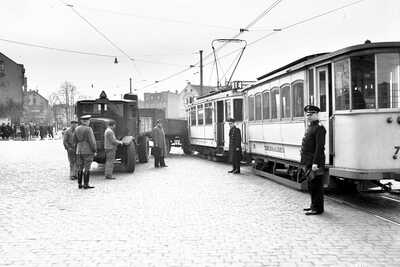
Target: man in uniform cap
(313, 159)
(235, 146)
(70, 146)
(85, 150)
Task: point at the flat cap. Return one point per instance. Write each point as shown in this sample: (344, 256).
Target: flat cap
(311, 109)
(85, 117)
(231, 120)
(74, 121)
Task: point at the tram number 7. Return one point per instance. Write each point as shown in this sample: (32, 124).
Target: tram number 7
(396, 152)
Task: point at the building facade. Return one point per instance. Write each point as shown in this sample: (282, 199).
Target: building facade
(167, 101)
(12, 88)
(36, 109)
(189, 93)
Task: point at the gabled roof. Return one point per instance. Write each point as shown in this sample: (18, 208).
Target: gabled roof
(206, 89)
(1, 54)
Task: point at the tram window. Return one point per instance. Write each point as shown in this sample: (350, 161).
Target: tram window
(274, 103)
(251, 108)
(311, 98)
(208, 113)
(258, 107)
(285, 101)
(193, 116)
(238, 109)
(200, 115)
(342, 85)
(228, 112)
(265, 105)
(363, 82)
(322, 79)
(388, 78)
(298, 98)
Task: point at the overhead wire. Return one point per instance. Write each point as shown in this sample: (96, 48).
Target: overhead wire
(276, 30)
(253, 22)
(156, 18)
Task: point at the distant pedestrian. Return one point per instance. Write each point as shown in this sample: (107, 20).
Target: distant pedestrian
(70, 146)
(8, 131)
(110, 147)
(42, 130)
(50, 131)
(313, 159)
(23, 131)
(159, 149)
(85, 151)
(235, 146)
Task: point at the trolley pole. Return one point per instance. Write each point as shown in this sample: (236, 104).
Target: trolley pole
(201, 72)
(130, 85)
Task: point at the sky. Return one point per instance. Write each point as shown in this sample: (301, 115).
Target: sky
(164, 37)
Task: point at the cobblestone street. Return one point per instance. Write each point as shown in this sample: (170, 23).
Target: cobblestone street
(192, 213)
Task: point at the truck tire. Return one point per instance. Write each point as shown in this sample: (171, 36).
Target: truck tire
(143, 149)
(186, 147)
(168, 145)
(130, 158)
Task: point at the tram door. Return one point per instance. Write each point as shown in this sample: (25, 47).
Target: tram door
(220, 123)
(323, 83)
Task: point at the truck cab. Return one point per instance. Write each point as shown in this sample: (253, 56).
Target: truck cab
(125, 114)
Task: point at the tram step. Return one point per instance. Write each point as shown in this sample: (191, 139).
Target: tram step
(281, 171)
(219, 154)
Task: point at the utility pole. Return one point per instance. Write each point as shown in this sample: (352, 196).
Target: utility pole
(201, 72)
(130, 85)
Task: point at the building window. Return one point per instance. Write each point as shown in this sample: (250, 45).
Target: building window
(285, 101)
(342, 84)
(388, 80)
(258, 107)
(363, 82)
(274, 102)
(298, 98)
(265, 105)
(193, 116)
(2, 69)
(34, 100)
(251, 108)
(208, 113)
(238, 109)
(200, 115)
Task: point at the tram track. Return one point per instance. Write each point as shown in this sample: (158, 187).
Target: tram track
(379, 205)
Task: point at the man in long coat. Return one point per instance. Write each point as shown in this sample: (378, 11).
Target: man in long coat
(70, 146)
(313, 159)
(85, 150)
(159, 145)
(235, 146)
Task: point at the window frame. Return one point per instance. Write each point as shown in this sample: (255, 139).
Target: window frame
(259, 94)
(267, 91)
(248, 107)
(281, 100)
(292, 96)
(198, 110)
(278, 115)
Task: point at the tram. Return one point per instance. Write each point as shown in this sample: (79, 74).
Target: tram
(357, 90)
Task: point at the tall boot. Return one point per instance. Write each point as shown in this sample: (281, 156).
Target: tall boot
(80, 173)
(86, 180)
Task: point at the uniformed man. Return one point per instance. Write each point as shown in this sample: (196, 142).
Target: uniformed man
(313, 159)
(110, 147)
(235, 146)
(85, 150)
(70, 146)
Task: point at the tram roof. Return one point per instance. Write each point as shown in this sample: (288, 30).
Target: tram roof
(218, 92)
(316, 58)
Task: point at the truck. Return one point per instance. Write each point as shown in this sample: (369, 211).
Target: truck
(125, 113)
(176, 133)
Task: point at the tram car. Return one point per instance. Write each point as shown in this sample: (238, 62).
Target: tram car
(207, 122)
(357, 90)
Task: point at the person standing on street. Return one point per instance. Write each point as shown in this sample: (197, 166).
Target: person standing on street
(85, 150)
(159, 145)
(110, 147)
(313, 159)
(70, 146)
(235, 146)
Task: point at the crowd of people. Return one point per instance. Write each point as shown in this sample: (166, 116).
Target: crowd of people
(25, 131)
